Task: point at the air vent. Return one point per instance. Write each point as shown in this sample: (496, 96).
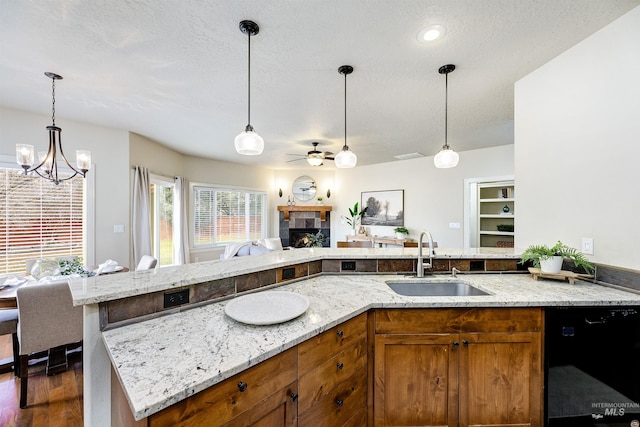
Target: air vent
(408, 156)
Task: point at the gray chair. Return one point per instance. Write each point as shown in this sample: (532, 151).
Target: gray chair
(47, 320)
(9, 325)
(147, 262)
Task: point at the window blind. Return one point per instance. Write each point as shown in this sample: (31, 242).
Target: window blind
(38, 219)
(224, 216)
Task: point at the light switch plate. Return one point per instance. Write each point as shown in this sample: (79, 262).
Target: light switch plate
(587, 245)
(454, 225)
(118, 228)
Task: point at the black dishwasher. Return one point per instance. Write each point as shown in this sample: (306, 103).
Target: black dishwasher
(592, 366)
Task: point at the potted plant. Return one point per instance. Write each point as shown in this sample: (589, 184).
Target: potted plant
(401, 232)
(549, 259)
(319, 199)
(316, 240)
(355, 217)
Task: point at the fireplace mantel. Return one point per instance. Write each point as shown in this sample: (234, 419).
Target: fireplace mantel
(317, 208)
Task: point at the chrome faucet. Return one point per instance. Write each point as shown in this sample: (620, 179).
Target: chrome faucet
(454, 272)
(421, 264)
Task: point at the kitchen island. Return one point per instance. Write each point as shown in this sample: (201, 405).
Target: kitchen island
(165, 359)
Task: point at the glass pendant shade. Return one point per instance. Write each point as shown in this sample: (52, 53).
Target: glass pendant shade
(346, 158)
(446, 158)
(249, 143)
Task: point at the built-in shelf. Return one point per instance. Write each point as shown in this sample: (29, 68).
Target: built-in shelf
(317, 208)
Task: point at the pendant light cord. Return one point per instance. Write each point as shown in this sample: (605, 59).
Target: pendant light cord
(53, 102)
(249, 82)
(345, 111)
(446, 108)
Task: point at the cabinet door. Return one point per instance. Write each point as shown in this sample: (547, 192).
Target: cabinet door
(500, 379)
(416, 380)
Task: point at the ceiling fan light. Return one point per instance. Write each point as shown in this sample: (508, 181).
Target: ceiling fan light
(346, 158)
(315, 160)
(249, 143)
(446, 158)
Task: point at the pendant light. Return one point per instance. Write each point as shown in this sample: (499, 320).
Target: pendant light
(249, 142)
(446, 158)
(51, 159)
(345, 158)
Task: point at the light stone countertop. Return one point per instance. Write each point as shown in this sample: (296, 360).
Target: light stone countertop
(92, 290)
(167, 359)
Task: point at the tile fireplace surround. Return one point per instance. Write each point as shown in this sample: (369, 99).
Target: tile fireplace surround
(308, 219)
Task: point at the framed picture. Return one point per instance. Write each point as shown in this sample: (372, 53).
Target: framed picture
(383, 207)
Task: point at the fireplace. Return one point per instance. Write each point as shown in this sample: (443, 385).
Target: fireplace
(297, 236)
(296, 221)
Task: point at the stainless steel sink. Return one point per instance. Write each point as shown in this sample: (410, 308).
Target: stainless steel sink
(433, 288)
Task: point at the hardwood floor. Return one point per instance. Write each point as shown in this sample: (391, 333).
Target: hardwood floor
(54, 401)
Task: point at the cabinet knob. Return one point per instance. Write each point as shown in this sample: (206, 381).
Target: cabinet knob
(339, 403)
(456, 344)
(465, 343)
(242, 386)
(294, 397)
(340, 334)
(340, 365)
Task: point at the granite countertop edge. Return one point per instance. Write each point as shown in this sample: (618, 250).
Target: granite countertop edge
(93, 290)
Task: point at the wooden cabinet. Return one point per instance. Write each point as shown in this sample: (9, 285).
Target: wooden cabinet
(264, 395)
(458, 367)
(332, 376)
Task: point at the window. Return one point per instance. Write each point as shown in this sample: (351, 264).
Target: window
(225, 215)
(162, 238)
(39, 219)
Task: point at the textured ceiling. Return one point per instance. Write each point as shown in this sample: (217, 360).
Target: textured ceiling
(175, 71)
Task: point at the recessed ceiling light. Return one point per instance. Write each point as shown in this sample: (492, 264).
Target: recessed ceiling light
(431, 33)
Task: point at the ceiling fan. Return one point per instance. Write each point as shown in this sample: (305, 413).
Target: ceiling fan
(314, 157)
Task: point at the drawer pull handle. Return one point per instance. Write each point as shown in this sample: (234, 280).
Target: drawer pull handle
(340, 365)
(340, 334)
(242, 386)
(294, 397)
(339, 403)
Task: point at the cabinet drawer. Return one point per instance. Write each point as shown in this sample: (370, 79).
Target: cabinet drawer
(318, 349)
(222, 402)
(316, 384)
(456, 320)
(338, 407)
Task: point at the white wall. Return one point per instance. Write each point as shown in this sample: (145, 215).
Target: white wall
(433, 198)
(577, 146)
(110, 155)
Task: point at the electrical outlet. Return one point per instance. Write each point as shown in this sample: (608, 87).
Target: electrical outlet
(176, 298)
(454, 225)
(348, 266)
(587, 245)
(288, 273)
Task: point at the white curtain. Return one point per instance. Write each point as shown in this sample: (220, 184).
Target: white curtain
(141, 221)
(181, 230)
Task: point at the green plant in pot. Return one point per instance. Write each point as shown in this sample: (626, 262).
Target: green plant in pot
(549, 259)
(316, 240)
(401, 232)
(355, 217)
